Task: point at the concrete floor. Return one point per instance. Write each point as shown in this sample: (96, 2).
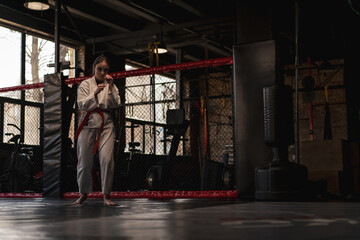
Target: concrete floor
(178, 219)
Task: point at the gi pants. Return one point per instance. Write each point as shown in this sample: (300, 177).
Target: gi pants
(85, 152)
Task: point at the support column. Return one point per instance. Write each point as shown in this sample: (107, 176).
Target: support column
(117, 65)
(54, 99)
(57, 34)
(256, 65)
(351, 73)
(249, 80)
(179, 82)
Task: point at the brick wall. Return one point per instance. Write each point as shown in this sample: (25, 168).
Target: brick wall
(333, 78)
(323, 158)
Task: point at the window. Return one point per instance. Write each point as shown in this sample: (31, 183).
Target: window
(39, 60)
(67, 58)
(12, 116)
(32, 126)
(149, 103)
(165, 93)
(10, 60)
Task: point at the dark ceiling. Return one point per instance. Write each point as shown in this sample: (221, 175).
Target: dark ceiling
(200, 28)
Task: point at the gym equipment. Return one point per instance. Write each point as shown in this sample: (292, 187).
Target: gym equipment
(218, 175)
(17, 172)
(212, 175)
(158, 176)
(282, 179)
(129, 163)
(133, 150)
(228, 174)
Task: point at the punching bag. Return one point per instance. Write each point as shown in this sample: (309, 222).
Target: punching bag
(278, 116)
(281, 179)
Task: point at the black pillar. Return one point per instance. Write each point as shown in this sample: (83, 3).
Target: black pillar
(256, 65)
(57, 34)
(179, 81)
(118, 65)
(351, 76)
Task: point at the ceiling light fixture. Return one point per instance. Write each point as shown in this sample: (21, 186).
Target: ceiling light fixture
(37, 5)
(161, 47)
(159, 44)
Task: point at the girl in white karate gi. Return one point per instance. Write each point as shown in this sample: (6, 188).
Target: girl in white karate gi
(95, 97)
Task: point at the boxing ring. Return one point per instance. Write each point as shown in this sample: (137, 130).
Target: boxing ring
(203, 103)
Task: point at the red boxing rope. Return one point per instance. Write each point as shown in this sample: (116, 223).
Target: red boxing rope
(160, 194)
(162, 69)
(137, 194)
(20, 195)
(22, 87)
(139, 72)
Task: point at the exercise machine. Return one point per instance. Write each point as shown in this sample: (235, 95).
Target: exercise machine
(17, 171)
(158, 175)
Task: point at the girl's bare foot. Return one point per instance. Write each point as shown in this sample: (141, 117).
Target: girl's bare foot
(108, 202)
(81, 199)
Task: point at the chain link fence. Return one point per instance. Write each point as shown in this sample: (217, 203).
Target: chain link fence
(21, 147)
(204, 152)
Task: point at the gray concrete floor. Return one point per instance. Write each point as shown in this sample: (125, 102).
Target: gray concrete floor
(178, 219)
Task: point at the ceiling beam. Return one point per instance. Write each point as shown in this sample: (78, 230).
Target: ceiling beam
(187, 7)
(117, 5)
(155, 29)
(130, 48)
(35, 25)
(216, 49)
(91, 17)
(140, 11)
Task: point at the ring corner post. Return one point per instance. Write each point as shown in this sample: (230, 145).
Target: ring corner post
(53, 135)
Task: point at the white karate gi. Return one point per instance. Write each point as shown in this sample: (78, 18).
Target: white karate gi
(87, 101)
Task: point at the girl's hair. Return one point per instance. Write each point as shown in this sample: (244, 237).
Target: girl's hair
(99, 59)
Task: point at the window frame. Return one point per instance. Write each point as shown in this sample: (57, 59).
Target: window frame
(22, 102)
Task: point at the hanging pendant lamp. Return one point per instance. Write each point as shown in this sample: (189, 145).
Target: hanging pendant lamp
(37, 5)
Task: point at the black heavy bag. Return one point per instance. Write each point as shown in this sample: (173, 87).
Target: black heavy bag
(281, 179)
(278, 119)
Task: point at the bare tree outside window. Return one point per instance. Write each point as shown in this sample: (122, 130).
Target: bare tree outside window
(165, 91)
(40, 53)
(39, 57)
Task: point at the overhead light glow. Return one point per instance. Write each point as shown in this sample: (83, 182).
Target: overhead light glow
(37, 5)
(161, 48)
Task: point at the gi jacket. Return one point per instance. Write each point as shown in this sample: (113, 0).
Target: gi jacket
(105, 100)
